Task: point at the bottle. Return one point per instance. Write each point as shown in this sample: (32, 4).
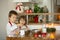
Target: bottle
(36, 34)
(36, 19)
(44, 33)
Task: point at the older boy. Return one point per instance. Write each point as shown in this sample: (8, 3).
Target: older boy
(12, 29)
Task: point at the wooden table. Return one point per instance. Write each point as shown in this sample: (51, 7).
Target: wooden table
(24, 38)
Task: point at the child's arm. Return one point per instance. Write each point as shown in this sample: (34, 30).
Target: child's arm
(15, 29)
(27, 27)
(12, 29)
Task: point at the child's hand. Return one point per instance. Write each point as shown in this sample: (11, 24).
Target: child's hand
(27, 28)
(17, 32)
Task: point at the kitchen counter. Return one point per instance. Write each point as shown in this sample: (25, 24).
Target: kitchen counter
(57, 26)
(24, 38)
(29, 38)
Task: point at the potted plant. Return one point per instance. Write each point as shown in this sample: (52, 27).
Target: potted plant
(36, 8)
(51, 31)
(48, 30)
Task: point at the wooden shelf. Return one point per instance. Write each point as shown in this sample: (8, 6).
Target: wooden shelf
(39, 13)
(33, 13)
(35, 23)
(43, 14)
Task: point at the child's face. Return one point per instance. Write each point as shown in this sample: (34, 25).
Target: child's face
(13, 18)
(22, 21)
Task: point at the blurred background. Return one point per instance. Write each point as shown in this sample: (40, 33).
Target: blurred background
(7, 5)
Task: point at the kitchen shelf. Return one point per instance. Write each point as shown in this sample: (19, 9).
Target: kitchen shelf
(27, 15)
(39, 13)
(34, 13)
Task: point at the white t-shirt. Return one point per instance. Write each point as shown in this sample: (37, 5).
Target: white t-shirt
(10, 28)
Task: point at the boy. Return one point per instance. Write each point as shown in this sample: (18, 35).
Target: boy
(11, 26)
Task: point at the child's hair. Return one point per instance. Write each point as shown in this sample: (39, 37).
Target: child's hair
(22, 18)
(12, 12)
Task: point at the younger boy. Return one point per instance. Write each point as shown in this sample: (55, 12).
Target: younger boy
(11, 26)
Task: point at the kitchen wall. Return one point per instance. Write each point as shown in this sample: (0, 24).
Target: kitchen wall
(3, 18)
(5, 7)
